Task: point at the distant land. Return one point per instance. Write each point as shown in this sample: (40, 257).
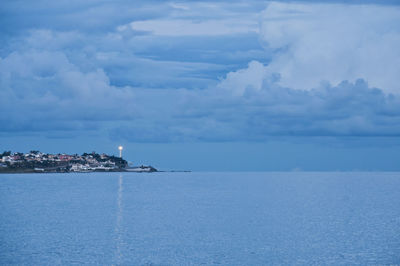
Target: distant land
(38, 162)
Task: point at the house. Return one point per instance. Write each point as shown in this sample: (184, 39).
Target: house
(65, 157)
(80, 168)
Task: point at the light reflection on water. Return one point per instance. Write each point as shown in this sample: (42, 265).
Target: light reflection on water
(118, 225)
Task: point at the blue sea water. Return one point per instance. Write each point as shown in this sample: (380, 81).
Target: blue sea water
(200, 218)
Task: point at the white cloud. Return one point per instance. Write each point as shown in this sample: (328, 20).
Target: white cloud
(46, 86)
(333, 42)
(185, 27)
(251, 77)
(179, 6)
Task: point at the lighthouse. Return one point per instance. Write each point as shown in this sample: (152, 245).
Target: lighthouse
(120, 148)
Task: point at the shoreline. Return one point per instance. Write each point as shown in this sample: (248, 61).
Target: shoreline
(31, 171)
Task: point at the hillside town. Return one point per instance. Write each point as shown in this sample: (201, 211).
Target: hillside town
(36, 161)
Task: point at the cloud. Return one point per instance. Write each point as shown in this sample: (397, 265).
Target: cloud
(251, 77)
(180, 27)
(92, 16)
(325, 70)
(44, 91)
(92, 36)
(333, 42)
(266, 110)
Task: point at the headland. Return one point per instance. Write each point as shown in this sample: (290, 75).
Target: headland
(38, 162)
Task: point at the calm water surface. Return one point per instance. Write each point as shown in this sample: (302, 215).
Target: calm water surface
(200, 218)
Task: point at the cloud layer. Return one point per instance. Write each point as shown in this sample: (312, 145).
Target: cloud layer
(170, 72)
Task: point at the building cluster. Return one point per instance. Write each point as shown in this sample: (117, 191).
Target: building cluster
(39, 161)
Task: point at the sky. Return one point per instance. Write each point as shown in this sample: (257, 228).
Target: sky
(205, 85)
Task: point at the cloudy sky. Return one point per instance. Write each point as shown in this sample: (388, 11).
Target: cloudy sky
(205, 85)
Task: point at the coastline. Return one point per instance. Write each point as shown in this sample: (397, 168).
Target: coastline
(88, 172)
(63, 171)
(140, 169)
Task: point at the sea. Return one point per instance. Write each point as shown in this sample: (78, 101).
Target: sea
(200, 218)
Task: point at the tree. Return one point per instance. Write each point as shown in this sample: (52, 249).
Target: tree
(5, 153)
